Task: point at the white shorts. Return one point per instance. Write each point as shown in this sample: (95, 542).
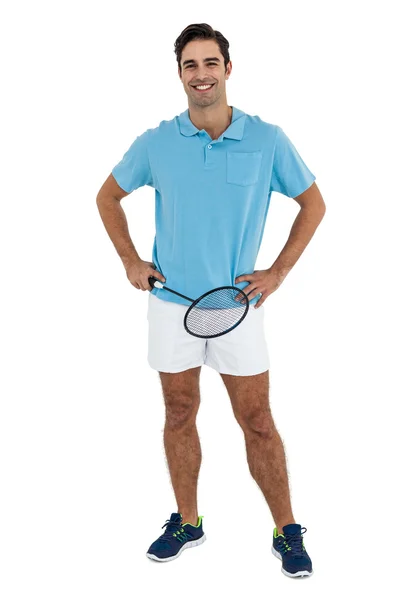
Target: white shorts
(171, 349)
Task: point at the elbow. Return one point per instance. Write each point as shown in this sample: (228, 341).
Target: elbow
(102, 199)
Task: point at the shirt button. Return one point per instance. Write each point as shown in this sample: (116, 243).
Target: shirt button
(209, 146)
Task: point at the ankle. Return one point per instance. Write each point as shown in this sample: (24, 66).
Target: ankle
(191, 518)
(287, 522)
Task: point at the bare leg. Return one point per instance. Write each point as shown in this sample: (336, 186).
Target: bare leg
(249, 396)
(181, 440)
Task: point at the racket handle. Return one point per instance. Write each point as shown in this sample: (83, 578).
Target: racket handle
(155, 283)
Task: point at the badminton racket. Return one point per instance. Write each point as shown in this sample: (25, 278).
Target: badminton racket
(214, 313)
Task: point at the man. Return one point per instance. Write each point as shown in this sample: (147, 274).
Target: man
(213, 169)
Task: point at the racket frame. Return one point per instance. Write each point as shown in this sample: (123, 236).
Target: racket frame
(224, 287)
(160, 285)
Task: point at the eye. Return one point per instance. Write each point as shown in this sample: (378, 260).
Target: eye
(214, 64)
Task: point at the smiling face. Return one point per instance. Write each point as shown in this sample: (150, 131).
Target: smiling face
(203, 63)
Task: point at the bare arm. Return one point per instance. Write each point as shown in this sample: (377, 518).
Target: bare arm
(307, 220)
(114, 219)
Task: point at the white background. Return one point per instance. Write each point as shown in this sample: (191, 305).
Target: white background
(85, 486)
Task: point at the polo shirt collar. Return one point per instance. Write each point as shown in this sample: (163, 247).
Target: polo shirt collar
(234, 131)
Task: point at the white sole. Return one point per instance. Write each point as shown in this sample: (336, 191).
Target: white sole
(192, 544)
(298, 574)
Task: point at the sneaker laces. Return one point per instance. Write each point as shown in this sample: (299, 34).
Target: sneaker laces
(294, 541)
(171, 528)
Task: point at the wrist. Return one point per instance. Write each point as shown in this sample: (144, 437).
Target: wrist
(130, 261)
(280, 270)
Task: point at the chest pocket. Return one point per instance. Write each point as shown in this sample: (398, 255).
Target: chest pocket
(243, 168)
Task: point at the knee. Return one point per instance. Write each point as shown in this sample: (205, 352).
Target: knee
(260, 422)
(180, 411)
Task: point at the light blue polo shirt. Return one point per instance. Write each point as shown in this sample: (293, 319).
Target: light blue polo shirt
(211, 196)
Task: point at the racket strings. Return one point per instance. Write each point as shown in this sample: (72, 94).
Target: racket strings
(216, 312)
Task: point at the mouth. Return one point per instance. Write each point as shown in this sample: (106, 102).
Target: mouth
(203, 88)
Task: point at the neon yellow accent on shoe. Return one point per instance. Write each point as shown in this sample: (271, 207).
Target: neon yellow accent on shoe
(287, 545)
(276, 534)
(199, 520)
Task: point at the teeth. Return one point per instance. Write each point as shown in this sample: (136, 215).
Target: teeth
(203, 87)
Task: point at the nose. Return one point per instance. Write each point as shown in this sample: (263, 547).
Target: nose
(203, 76)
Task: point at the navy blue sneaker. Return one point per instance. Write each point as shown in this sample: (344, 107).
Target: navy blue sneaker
(289, 547)
(176, 538)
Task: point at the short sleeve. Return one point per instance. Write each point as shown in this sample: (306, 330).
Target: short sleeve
(133, 170)
(290, 174)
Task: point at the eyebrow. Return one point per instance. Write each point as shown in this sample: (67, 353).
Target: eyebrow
(191, 60)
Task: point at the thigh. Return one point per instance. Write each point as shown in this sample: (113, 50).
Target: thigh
(182, 384)
(181, 395)
(242, 351)
(170, 347)
(249, 397)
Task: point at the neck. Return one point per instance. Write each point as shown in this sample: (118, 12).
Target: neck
(213, 119)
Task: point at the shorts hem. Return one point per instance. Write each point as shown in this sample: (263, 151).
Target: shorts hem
(223, 372)
(179, 370)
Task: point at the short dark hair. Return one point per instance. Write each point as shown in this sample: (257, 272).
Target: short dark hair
(201, 31)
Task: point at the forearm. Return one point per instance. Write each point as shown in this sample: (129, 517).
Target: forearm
(303, 229)
(116, 224)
